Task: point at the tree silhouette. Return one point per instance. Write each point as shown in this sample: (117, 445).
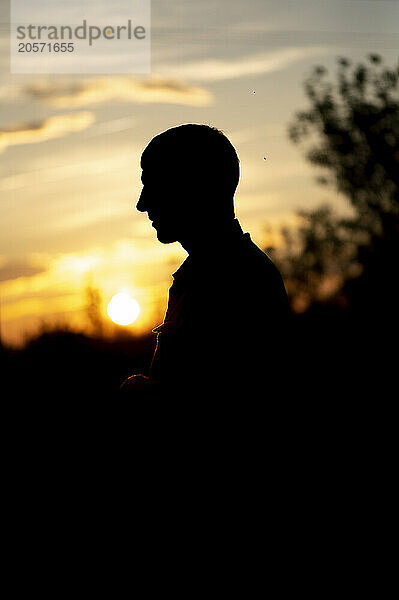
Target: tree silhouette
(316, 258)
(93, 310)
(351, 132)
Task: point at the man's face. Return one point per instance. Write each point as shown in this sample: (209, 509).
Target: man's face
(164, 198)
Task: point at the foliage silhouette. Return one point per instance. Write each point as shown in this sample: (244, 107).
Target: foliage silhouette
(93, 309)
(60, 364)
(341, 271)
(316, 257)
(350, 132)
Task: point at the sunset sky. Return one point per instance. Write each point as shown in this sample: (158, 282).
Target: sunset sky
(70, 145)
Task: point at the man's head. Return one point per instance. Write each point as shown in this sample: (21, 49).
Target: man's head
(190, 174)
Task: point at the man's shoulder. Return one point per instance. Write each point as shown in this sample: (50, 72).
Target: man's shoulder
(254, 261)
(246, 273)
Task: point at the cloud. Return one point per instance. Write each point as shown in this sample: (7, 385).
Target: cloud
(255, 64)
(47, 129)
(122, 88)
(14, 269)
(44, 176)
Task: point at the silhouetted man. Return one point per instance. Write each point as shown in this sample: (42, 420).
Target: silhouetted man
(224, 329)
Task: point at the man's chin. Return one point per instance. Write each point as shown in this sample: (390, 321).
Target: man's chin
(166, 237)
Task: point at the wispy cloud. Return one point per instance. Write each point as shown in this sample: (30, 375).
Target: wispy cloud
(255, 64)
(14, 269)
(59, 173)
(123, 88)
(47, 129)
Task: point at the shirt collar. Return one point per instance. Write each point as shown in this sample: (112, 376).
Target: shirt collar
(184, 268)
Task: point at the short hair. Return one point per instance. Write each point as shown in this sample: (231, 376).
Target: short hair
(199, 148)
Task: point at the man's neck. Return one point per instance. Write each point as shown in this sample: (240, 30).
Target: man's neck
(210, 237)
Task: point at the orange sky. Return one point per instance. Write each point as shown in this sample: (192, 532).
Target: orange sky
(70, 146)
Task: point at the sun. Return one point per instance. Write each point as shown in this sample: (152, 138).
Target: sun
(123, 309)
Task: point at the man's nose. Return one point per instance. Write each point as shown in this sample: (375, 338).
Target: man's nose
(142, 204)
